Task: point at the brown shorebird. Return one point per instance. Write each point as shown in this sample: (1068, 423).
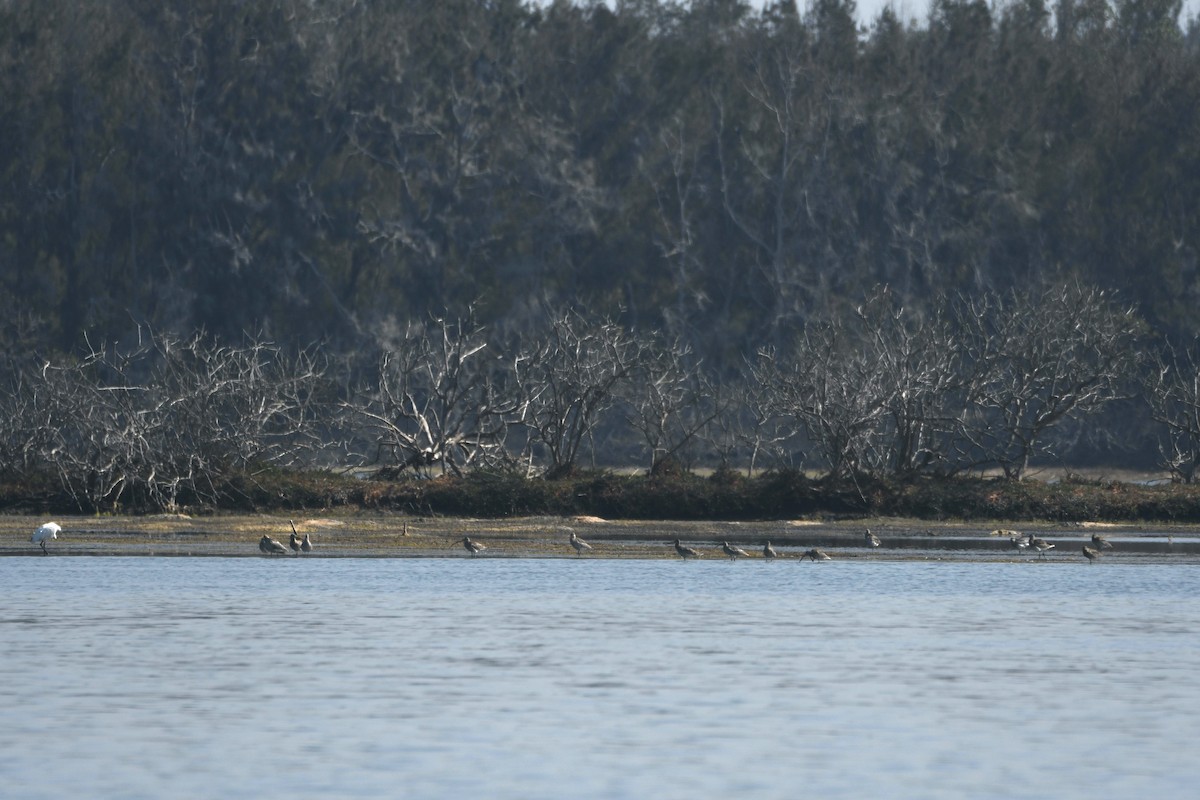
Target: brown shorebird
(1101, 542)
(686, 552)
(816, 555)
(579, 544)
(733, 552)
(306, 545)
(1090, 553)
(871, 539)
(294, 543)
(271, 546)
(769, 552)
(474, 548)
(1020, 541)
(48, 531)
(1041, 545)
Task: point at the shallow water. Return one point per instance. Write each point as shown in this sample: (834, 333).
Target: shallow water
(144, 677)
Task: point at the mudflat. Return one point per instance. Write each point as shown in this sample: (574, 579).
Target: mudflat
(397, 536)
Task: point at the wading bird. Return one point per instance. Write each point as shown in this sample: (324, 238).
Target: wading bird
(816, 555)
(1091, 554)
(270, 546)
(1041, 545)
(294, 543)
(1021, 541)
(871, 539)
(474, 548)
(733, 552)
(1101, 542)
(686, 552)
(769, 552)
(579, 544)
(306, 545)
(48, 531)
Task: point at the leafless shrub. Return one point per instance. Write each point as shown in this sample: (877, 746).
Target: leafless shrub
(436, 400)
(830, 389)
(916, 362)
(568, 380)
(1037, 358)
(1173, 393)
(670, 401)
(885, 391)
(167, 417)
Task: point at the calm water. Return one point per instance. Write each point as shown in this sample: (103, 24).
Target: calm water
(206, 677)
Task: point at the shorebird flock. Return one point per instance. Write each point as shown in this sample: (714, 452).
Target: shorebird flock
(1021, 542)
(274, 547)
(1092, 550)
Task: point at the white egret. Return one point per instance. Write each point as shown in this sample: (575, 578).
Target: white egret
(48, 531)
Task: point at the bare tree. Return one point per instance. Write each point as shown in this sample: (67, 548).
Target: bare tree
(165, 418)
(916, 359)
(436, 401)
(569, 379)
(832, 390)
(1173, 393)
(1036, 358)
(670, 401)
(748, 421)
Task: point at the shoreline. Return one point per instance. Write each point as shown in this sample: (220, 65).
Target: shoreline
(391, 536)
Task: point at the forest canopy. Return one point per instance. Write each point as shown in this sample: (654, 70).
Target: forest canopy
(714, 170)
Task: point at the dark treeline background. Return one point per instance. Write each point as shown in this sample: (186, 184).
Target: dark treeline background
(325, 171)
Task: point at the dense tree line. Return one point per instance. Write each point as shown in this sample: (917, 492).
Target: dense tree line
(310, 169)
(731, 178)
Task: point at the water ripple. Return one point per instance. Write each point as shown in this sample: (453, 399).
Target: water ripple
(232, 678)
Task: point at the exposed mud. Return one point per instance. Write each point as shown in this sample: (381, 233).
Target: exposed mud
(394, 536)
